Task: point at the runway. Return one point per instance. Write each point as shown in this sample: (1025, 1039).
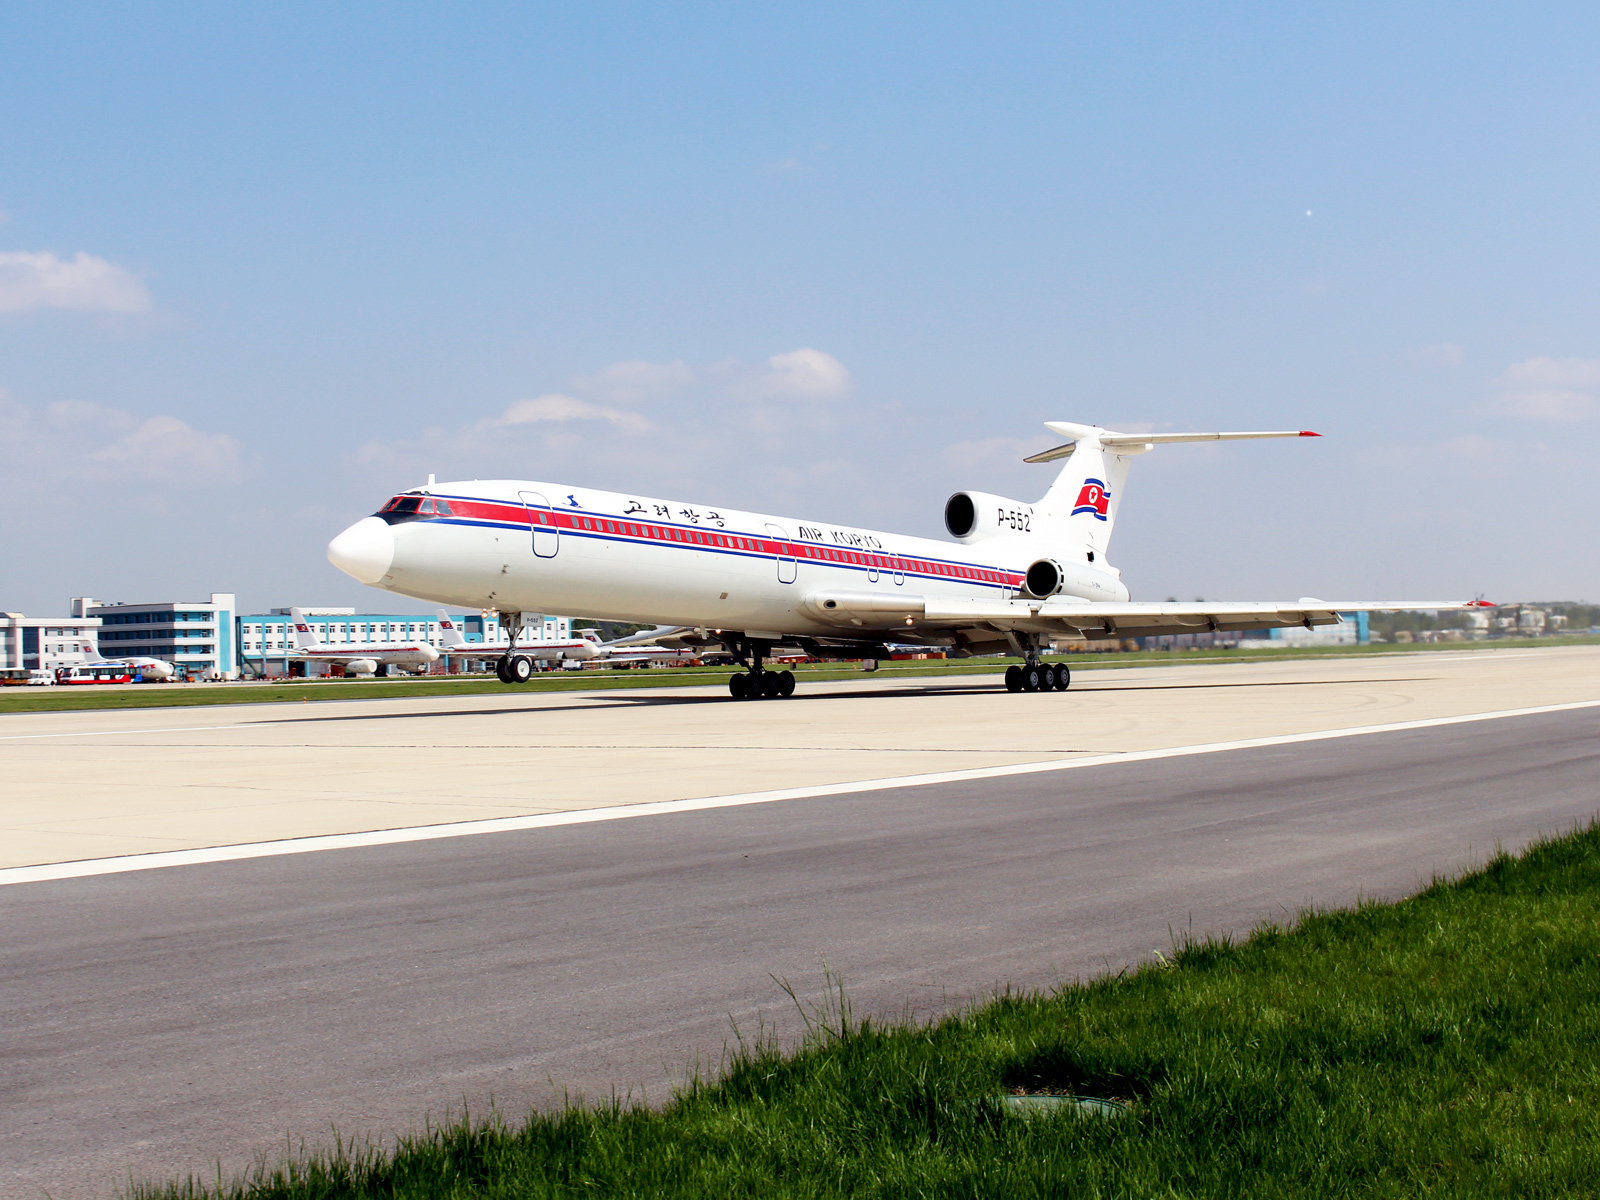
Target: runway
(161, 1021)
(90, 785)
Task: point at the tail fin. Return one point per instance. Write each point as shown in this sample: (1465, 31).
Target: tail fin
(1084, 498)
(305, 638)
(450, 634)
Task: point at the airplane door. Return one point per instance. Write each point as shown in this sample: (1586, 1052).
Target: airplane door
(546, 536)
(786, 564)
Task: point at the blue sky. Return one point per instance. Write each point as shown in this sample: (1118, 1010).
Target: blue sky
(260, 267)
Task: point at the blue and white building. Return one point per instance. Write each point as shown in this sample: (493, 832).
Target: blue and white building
(266, 640)
(44, 643)
(196, 637)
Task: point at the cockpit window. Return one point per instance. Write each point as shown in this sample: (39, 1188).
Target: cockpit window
(444, 507)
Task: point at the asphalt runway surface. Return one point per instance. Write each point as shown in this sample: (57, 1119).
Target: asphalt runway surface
(161, 1022)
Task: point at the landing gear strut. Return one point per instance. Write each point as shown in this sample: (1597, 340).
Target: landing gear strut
(756, 683)
(512, 667)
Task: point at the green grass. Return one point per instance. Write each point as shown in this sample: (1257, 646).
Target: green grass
(67, 699)
(1447, 1045)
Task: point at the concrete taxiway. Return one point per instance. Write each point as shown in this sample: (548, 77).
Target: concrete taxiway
(97, 784)
(162, 1021)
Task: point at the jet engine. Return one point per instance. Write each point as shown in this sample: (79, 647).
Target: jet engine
(972, 516)
(361, 666)
(1043, 578)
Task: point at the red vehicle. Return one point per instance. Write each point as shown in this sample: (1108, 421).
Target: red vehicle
(95, 673)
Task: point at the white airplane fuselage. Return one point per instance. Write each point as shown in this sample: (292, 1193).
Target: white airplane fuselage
(545, 547)
(415, 654)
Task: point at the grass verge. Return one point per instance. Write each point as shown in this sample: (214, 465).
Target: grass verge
(71, 699)
(1442, 1046)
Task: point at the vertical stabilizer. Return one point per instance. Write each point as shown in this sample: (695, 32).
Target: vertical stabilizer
(450, 635)
(305, 638)
(1082, 503)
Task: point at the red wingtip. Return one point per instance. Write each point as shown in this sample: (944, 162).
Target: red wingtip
(1482, 604)
(1308, 433)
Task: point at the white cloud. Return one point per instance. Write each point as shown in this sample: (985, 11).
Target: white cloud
(771, 428)
(995, 451)
(636, 382)
(556, 407)
(804, 374)
(1547, 389)
(75, 440)
(85, 283)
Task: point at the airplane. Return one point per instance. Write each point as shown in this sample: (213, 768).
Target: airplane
(1017, 577)
(369, 658)
(150, 669)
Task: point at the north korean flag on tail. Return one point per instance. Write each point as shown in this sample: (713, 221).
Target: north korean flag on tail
(1093, 499)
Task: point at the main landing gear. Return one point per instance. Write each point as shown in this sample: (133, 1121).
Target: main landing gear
(762, 685)
(756, 683)
(1038, 677)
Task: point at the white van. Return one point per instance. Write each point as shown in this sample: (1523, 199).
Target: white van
(37, 678)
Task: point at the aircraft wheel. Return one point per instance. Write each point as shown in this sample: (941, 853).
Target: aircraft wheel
(786, 683)
(771, 685)
(739, 687)
(1013, 678)
(1063, 677)
(520, 669)
(1033, 679)
(500, 670)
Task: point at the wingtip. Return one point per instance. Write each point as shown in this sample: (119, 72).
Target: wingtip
(1309, 433)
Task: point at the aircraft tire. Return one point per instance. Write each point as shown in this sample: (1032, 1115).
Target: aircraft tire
(1063, 677)
(500, 670)
(786, 684)
(1013, 678)
(1033, 679)
(739, 687)
(771, 685)
(520, 668)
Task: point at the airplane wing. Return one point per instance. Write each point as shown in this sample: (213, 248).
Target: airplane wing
(1069, 615)
(652, 637)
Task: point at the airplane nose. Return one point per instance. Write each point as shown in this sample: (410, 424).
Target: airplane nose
(365, 551)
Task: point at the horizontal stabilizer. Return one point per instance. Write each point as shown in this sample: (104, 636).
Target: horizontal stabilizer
(1143, 441)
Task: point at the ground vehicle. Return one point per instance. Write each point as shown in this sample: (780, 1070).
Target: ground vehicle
(37, 678)
(90, 673)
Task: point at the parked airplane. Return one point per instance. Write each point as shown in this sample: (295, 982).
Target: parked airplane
(367, 658)
(1017, 578)
(150, 669)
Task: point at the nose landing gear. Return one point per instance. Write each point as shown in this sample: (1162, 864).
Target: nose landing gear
(512, 667)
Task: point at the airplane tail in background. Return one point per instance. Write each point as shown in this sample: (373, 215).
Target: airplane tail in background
(305, 638)
(450, 635)
(1082, 503)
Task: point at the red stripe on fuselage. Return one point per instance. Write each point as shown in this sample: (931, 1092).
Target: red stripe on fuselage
(586, 525)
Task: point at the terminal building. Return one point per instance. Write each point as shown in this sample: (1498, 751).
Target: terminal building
(30, 644)
(196, 637)
(266, 640)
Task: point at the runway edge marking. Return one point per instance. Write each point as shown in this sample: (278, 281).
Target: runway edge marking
(83, 868)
